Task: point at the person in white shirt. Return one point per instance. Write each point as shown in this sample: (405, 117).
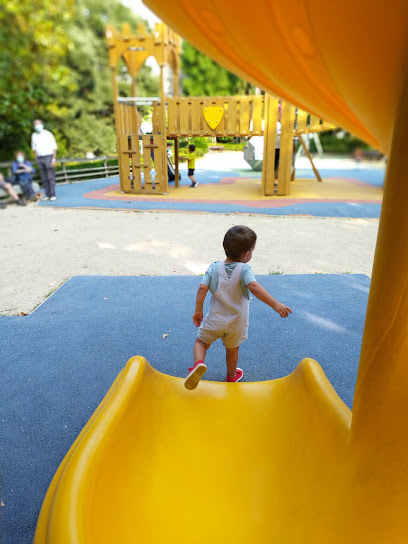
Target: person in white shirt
(45, 150)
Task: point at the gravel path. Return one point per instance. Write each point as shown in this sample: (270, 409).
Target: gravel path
(42, 247)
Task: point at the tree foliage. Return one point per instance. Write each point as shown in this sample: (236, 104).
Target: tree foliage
(33, 44)
(54, 65)
(204, 77)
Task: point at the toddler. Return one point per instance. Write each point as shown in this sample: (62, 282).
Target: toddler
(230, 283)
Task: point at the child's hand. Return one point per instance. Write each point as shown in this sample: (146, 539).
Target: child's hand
(282, 309)
(197, 318)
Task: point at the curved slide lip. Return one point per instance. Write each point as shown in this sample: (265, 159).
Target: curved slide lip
(65, 503)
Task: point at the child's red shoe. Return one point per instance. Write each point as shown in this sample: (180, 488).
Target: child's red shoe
(238, 375)
(195, 374)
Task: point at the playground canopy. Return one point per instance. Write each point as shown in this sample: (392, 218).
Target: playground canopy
(341, 61)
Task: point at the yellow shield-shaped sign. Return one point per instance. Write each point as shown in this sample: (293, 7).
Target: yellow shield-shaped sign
(213, 116)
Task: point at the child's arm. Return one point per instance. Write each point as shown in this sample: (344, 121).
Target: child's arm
(198, 314)
(260, 292)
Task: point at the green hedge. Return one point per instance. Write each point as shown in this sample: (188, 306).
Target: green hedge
(200, 143)
(344, 146)
(94, 164)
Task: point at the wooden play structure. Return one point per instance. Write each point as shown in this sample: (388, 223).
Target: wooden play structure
(143, 157)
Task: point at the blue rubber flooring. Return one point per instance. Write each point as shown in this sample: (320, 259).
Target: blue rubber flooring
(58, 363)
(71, 196)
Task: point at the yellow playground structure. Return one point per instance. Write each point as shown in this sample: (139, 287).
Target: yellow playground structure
(143, 157)
(159, 464)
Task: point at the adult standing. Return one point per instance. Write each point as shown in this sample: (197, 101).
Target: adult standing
(45, 150)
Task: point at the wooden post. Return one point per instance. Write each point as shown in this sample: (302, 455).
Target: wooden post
(286, 147)
(176, 163)
(133, 86)
(309, 156)
(268, 165)
(163, 157)
(115, 98)
(175, 83)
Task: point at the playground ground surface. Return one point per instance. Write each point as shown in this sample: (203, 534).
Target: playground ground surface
(45, 247)
(59, 362)
(228, 185)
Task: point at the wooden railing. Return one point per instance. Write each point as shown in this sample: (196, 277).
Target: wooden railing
(70, 175)
(241, 116)
(306, 122)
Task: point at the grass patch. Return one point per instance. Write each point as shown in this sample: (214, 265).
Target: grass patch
(233, 147)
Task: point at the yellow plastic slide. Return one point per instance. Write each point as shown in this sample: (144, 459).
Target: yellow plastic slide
(225, 463)
(274, 462)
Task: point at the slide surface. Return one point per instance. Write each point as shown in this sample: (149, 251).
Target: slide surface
(225, 463)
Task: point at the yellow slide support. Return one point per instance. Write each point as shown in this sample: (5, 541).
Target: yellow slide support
(226, 463)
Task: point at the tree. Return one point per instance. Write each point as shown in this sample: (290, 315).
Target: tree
(204, 77)
(54, 65)
(33, 44)
(87, 123)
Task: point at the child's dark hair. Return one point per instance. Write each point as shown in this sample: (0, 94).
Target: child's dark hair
(191, 148)
(238, 240)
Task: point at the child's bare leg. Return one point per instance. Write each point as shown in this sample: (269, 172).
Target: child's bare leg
(200, 350)
(10, 190)
(192, 179)
(232, 360)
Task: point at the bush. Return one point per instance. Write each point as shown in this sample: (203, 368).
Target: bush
(234, 147)
(94, 164)
(345, 145)
(200, 143)
(226, 140)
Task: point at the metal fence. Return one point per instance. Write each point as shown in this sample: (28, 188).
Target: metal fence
(69, 170)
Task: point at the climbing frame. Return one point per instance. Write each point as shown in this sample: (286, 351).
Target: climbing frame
(140, 155)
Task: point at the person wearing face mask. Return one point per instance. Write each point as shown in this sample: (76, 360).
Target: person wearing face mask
(45, 149)
(23, 171)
